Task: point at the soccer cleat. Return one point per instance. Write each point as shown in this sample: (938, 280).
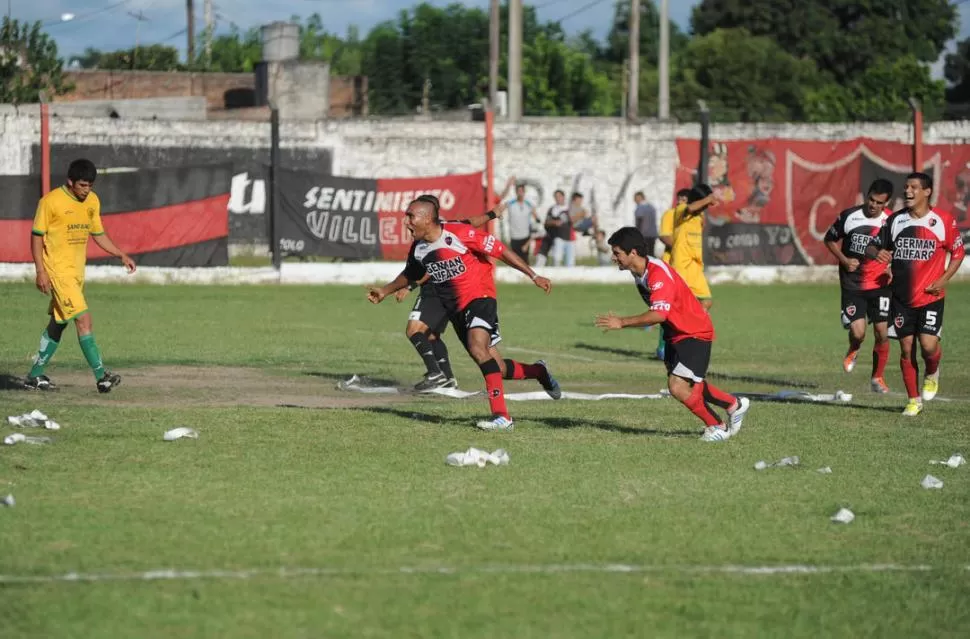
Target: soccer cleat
(716, 434)
(913, 408)
(109, 381)
(451, 382)
(41, 383)
(848, 364)
(737, 417)
(549, 383)
(431, 382)
(878, 385)
(497, 423)
(931, 386)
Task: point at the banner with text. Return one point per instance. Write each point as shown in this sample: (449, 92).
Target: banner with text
(363, 219)
(778, 197)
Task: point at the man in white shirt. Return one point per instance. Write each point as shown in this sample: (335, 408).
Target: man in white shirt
(520, 214)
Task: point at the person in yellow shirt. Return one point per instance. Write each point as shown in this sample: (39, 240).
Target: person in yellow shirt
(65, 219)
(667, 237)
(687, 252)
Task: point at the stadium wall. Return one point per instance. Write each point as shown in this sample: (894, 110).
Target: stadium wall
(606, 159)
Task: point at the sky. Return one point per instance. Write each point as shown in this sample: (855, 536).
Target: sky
(111, 24)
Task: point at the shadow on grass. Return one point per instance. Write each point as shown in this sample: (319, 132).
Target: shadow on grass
(754, 379)
(622, 352)
(11, 382)
(782, 400)
(342, 377)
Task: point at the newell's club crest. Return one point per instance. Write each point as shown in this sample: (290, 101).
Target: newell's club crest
(898, 322)
(850, 310)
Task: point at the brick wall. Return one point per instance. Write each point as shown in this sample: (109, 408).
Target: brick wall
(348, 95)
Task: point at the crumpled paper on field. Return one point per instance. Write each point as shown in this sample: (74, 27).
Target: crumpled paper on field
(33, 419)
(784, 461)
(16, 438)
(180, 433)
(480, 458)
(955, 461)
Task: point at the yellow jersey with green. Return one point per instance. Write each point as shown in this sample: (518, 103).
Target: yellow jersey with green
(65, 224)
(667, 230)
(688, 237)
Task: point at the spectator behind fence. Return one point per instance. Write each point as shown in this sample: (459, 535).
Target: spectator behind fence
(558, 227)
(521, 213)
(583, 221)
(645, 219)
(604, 254)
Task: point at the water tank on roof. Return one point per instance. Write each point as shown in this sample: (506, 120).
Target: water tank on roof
(281, 41)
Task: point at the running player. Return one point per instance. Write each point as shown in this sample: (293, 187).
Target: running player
(65, 218)
(455, 256)
(667, 237)
(689, 331)
(864, 280)
(429, 319)
(917, 240)
(687, 252)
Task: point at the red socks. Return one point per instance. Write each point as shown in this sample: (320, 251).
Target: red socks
(495, 388)
(695, 403)
(910, 376)
(716, 396)
(933, 361)
(518, 370)
(880, 355)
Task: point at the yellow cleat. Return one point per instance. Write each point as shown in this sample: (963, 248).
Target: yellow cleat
(931, 386)
(913, 408)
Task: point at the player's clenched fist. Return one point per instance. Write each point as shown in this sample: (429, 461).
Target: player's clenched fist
(376, 295)
(544, 283)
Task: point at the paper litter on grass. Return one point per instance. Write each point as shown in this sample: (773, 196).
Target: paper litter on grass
(784, 461)
(480, 458)
(844, 516)
(16, 438)
(8, 501)
(955, 461)
(33, 419)
(180, 433)
(824, 471)
(931, 482)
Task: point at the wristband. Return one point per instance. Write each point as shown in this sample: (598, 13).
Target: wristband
(534, 276)
(412, 286)
(491, 215)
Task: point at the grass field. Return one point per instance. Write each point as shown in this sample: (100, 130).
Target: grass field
(332, 514)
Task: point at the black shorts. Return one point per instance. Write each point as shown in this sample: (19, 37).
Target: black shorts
(480, 313)
(924, 320)
(520, 246)
(872, 305)
(429, 310)
(688, 358)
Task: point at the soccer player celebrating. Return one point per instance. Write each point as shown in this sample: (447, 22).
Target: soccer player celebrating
(429, 319)
(687, 252)
(688, 331)
(917, 240)
(667, 237)
(864, 280)
(455, 256)
(65, 218)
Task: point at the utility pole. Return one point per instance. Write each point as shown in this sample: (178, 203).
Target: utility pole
(515, 60)
(664, 61)
(634, 85)
(140, 17)
(494, 42)
(190, 30)
(207, 10)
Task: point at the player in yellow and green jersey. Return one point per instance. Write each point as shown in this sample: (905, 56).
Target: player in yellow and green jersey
(65, 218)
(687, 253)
(667, 237)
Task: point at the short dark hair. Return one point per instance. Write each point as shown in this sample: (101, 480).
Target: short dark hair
(575, 195)
(629, 239)
(698, 193)
(427, 198)
(639, 193)
(519, 185)
(560, 192)
(82, 170)
(925, 180)
(881, 187)
(683, 193)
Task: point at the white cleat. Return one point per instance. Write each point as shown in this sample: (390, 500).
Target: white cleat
(737, 417)
(715, 434)
(499, 423)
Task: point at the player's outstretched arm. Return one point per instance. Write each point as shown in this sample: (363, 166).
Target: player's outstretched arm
(42, 280)
(516, 262)
(109, 247)
(613, 322)
(377, 295)
(482, 220)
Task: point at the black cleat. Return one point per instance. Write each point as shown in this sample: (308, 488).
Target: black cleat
(451, 382)
(41, 383)
(431, 382)
(109, 381)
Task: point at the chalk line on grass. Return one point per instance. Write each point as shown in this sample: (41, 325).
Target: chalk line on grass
(498, 569)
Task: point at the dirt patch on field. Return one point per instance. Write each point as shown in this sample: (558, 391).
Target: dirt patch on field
(170, 386)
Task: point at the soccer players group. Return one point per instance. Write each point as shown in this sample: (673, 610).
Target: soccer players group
(891, 267)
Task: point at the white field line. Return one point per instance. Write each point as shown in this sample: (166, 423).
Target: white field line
(500, 569)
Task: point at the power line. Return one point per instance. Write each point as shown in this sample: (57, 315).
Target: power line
(86, 16)
(580, 10)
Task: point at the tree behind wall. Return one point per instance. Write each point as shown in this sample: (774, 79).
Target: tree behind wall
(28, 64)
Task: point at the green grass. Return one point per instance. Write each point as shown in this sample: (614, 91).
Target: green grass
(362, 489)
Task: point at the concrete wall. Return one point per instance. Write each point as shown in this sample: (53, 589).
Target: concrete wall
(605, 159)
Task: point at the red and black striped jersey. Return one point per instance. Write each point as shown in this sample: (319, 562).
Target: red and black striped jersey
(667, 293)
(457, 263)
(856, 230)
(919, 246)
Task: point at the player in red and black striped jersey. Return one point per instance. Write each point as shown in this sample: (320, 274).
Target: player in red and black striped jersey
(917, 241)
(455, 259)
(864, 280)
(688, 333)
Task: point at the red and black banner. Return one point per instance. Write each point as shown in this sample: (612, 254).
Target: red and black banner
(779, 197)
(163, 217)
(363, 219)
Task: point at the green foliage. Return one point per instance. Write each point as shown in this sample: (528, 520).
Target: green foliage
(155, 57)
(28, 64)
(617, 47)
